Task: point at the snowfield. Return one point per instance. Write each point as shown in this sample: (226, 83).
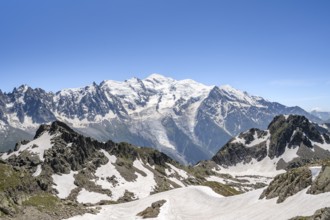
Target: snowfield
(141, 187)
(37, 146)
(199, 202)
(64, 183)
(85, 196)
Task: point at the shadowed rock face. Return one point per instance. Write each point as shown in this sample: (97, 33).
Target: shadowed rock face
(292, 131)
(284, 133)
(233, 153)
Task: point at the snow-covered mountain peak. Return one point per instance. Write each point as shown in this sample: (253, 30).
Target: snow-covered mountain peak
(159, 78)
(23, 88)
(238, 95)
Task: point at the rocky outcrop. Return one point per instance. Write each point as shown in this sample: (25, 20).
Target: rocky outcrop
(234, 153)
(292, 131)
(153, 210)
(21, 195)
(321, 214)
(288, 184)
(295, 180)
(322, 182)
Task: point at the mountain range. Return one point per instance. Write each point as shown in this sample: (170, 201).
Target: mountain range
(185, 119)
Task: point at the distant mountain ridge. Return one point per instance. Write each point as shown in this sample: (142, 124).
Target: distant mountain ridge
(185, 119)
(289, 142)
(323, 115)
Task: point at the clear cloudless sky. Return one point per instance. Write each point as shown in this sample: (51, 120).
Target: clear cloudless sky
(277, 49)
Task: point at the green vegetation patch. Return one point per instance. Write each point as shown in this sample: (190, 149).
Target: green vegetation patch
(9, 178)
(221, 189)
(42, 201)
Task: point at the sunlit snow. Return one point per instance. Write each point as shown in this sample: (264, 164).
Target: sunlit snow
(197, 202)
(64, 183)
(37, 146)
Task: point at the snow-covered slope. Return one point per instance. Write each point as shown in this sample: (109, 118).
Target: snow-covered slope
(201, 203)
(81, 169)
(184, 118)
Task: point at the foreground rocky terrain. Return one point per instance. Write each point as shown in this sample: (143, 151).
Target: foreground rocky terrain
(282, 172)
(63, 169)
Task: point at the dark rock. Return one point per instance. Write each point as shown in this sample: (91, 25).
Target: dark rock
(282, 129)
(287, 184)
(153, 210)
(322, 182)
(321, 214)
(233, 153)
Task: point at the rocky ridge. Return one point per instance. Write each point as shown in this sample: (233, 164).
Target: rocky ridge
(290, 141)
(64, 167)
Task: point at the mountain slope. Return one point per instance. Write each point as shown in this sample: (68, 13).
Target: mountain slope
(290, 141)
(62, 174)
(72, 172)
(201, 203)
(185, 119)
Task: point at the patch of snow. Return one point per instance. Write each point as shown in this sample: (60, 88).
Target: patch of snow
(14, 121)
(141, 187)
(324, 126)
(255, 179)
(75, 122)
(290, 153)
(64, 183)
(3, 125)
(265, 167)
(174, 169)
(324, 146)
(216, 179)
(255, 141)
(198, 202)
(38, 171)
(175, 180)
(315, 170)
(85, 196)
(286, 117)
(10, 105)
(43, 143)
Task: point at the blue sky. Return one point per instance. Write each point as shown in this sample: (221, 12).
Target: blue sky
(278, 49)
